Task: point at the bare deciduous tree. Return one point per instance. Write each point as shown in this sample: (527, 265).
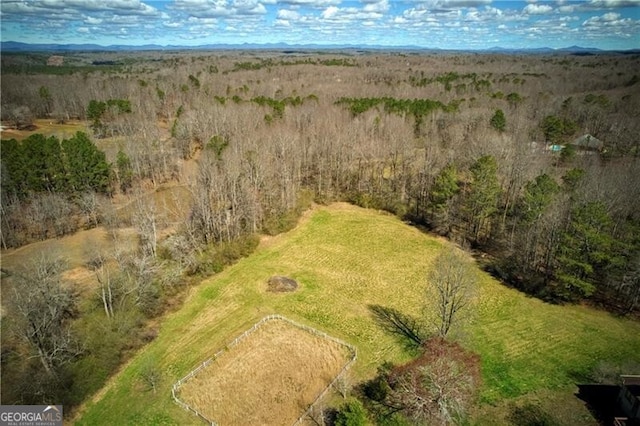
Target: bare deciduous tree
(43, 309)
(452, 284)
(98, 264)
(89, 206)
(151, 375)
(21, 117)
(136, 281)
(146, 220)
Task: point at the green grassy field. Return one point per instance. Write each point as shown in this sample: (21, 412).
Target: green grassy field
(346, 258)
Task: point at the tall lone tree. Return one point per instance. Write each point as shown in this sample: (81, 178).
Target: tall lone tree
(453, 282)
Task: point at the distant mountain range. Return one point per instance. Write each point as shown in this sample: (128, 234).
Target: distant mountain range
(14, 46)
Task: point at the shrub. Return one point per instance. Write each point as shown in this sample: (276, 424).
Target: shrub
(222, 254)
(283, 221)
(530, 415)
(435, 388)
(600, 100)
(498, 121)
(514, 98)
(351, 413)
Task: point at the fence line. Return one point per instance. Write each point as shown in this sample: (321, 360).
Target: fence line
(324, 392)
(176, 386)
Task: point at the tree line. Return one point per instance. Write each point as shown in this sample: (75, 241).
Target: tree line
(50, 186)
(461, 168)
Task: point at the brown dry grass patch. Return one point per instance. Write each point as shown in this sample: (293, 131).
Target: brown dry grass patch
(269, 378)
(47, 127)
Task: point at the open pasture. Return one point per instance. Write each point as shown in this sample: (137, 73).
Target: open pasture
(269, 377)
(345, 259)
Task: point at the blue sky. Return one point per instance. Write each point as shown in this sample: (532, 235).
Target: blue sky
(446, 24)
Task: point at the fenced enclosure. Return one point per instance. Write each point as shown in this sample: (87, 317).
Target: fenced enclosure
(294, 350)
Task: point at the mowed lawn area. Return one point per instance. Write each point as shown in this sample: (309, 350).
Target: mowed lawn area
(346, 258)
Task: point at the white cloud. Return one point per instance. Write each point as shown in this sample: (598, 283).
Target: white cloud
(219, 8)
(288, 14)
(348, 14)
(537, 9)
(454, 4)
(492, 12)
(568, 8)
(73, 9)
(126, 20)
(116, 6)
(311, 3)
(414, 14)
(202, 21)
(613, 4)
(203, 8)
(381, 6)
(251, 7)
(611, 20)
(330, 12)
(93, 21)
(592, 5)
(611, 16)
(458, 22)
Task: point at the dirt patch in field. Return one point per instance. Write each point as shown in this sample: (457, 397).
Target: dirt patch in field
(269, 378)
(280, 284)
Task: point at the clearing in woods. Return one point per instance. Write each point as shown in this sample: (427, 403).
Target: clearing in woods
(48, 128)
(269, 378)
(345, 259)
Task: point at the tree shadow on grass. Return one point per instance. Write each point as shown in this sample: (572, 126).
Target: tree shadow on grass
(405, 328)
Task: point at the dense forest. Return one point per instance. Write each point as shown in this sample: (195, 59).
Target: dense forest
(532, 162)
